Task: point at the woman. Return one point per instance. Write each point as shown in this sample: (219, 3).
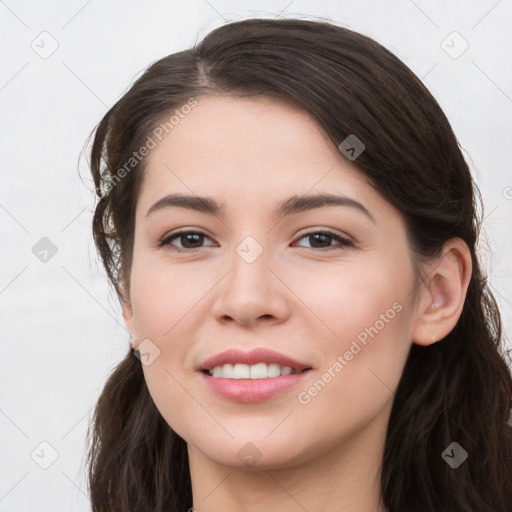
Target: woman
(291, 229)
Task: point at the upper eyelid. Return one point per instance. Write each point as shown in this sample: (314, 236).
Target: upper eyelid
(309, 231)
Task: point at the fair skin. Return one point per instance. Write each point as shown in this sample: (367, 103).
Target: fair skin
(296, 297)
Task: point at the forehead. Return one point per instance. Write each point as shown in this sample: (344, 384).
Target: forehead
(231, 130)
(249, 150)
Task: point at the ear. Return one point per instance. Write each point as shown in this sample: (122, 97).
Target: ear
(443, 293)
(130, 324)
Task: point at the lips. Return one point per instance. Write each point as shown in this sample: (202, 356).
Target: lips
(252, 389)
(259, 355)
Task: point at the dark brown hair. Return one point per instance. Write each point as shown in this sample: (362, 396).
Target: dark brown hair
(459, 389)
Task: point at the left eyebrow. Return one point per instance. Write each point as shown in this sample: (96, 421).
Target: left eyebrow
(292, 205)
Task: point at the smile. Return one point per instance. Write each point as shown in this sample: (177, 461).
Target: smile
(256, 371)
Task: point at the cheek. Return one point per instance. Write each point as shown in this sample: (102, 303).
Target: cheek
(163, 301)
(161, 295)
(167, 305)
(347, 300)
(363, 337)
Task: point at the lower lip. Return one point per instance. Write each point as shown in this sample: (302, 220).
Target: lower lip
(253, 390)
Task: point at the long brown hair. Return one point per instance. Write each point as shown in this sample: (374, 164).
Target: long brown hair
(457, 390)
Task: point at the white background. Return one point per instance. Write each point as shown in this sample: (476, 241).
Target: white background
(61, 326)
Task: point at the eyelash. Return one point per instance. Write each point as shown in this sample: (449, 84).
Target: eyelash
(344, 242)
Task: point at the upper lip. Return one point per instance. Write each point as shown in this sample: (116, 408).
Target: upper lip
(259, 355)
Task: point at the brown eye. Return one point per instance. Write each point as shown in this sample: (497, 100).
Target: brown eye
(190, 241)
(320, 240)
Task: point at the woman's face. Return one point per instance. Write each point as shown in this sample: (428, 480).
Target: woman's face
(259, 274)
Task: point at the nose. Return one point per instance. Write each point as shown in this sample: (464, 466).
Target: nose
(252, 291)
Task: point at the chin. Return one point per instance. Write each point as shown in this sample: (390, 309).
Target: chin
(253, 453)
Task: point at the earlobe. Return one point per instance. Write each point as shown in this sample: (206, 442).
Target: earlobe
(130, 324)
(443, 294)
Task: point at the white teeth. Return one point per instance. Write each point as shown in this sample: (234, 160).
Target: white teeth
(227, 371)
(259, 371)
(274, 370)
(256, 371)
(286, 370)
(240, 371)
